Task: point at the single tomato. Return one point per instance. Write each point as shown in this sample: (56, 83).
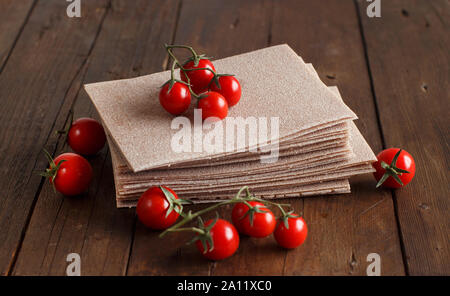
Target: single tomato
(259, 222)
(69, 173)
(395, 168)
(152, 208)
(292, 236)
(177, 100)
(225, 240)
(213, 104)
(229, 88)
(86, 136)
(199, 79)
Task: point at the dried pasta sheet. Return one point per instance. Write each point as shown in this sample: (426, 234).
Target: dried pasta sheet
(131, 112)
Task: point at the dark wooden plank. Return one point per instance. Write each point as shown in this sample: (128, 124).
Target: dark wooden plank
(46, 60)
(130, 44)
(408, 51)
(220, 29)
(13, 16)
(343, 229)
(170, 255)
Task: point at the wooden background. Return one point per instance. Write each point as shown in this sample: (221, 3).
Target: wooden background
(392, 71)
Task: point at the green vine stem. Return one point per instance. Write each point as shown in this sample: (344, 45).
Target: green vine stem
(195, 56)
(237, 199)
(176, 62)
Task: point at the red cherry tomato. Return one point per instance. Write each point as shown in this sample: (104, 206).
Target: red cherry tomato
(199, 79)
(152, 208)
(293, 236)
(225, 239)
(263, 223)
(74, 174)
(404, 168)
(86, 136)
(229, 88)
(177, 100)
(213, 104)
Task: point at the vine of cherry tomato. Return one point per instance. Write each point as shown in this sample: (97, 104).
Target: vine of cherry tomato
(215, 92)
(217, 239)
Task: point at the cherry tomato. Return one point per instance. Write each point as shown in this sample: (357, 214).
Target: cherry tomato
(229, 88)
(177, 100)
(263, 222)
(199, 79)
(404, 168)
(213, 104)
(152, 208)
(74, 174)
(225, 239)
(86, 136)
(293, 236)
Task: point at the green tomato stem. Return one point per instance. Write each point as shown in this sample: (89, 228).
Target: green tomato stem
(237, 199)
(176, 62)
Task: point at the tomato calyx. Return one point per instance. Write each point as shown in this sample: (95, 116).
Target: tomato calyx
(215, 79)
(196, 59)
(204, 234)
(52, 171)
(391, 170)
(172, 82)
(285, 217)
(175, 204)
(252, 210)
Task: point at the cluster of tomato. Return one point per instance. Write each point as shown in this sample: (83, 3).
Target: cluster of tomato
(217, 239)
(70, 173)
(160, 207)
(215, 92)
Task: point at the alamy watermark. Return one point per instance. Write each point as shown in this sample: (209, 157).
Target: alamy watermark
(374, 8)
(233, 134)
(74, 8)
(374, 268)
(74, 266)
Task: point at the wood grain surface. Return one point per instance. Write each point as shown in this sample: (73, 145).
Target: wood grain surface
(408, 55)
(393, 71)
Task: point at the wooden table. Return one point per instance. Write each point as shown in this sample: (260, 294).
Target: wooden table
(393, 71)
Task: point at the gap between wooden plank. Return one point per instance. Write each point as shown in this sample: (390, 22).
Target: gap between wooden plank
(380, 128)
(220, 35)
(166, 67)
(30, 213)
(328, 36)
(100, 61)
(408, 50)
(30, 11)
